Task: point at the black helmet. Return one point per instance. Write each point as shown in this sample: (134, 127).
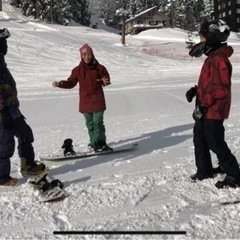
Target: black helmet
(215, 31)
(4, 34)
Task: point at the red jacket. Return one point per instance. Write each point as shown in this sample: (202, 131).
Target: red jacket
(91, 95)
(214, 84)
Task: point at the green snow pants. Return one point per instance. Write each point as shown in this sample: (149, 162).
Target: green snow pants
(96, 128)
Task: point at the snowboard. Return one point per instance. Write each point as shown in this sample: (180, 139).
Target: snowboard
(49, 191)
(122, 149)
(229, 202)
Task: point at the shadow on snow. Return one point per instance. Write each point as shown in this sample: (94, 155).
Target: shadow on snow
(147, 143)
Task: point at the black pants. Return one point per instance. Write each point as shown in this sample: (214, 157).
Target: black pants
(24, 134)
(209, 135)
(7, 146)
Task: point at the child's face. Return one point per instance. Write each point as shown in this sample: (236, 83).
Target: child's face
(87, 57)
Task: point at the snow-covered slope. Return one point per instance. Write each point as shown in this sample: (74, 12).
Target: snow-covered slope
(144, 190)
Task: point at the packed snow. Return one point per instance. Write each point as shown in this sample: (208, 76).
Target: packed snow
(143, 190)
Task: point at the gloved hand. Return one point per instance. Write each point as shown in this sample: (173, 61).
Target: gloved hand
(56, 84)
(191, 93)
(198, 112)
(6, 119)
(197, 50)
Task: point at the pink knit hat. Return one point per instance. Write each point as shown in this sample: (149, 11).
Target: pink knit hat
(85, 49)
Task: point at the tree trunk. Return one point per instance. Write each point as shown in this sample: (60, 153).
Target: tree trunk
(123, 31)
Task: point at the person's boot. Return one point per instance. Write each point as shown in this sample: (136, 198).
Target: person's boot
(11, 182)
(195, 177)
(228, 182)
(101, 146)
(34, 169)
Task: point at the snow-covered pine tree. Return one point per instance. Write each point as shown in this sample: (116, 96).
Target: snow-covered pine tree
(16, 3)
(56, 11)
(29, 7)
(79, 11)
(199, 10)
(107, 12)
(209, 7)
(189, 14)
(145, 4)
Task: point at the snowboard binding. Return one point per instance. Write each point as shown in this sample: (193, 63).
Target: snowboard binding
(49, 190)
(68, 147)
(41, 183)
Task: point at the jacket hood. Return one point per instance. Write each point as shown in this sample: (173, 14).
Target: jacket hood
(228, 50)
(223, 49)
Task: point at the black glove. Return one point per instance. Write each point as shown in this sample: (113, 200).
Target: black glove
(197, 50)
(198, 112)
(191, 93)
(6, 119)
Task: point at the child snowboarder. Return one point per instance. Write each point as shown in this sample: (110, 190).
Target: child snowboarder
(91, 77)
(213, 101)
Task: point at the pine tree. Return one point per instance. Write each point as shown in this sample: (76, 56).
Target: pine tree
(79, 12)
(56, 11)
(29, 7)
(16, 3)
(199, 10)
(189, 13)
(208, 6)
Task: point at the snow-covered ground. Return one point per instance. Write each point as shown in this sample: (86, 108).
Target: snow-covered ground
(144, 190)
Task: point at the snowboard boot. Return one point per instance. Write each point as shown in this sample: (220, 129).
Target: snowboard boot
(228, 182)
(195, 177)
(104, 148)
(34, 169)
(101, 146)
(11, 182)
(68, 147)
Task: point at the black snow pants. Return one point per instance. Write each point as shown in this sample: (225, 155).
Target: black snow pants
(208, 135)
(7, 146)
(24, 134)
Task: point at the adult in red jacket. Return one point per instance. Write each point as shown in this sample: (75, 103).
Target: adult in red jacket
(91, 77)
(213, 101)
